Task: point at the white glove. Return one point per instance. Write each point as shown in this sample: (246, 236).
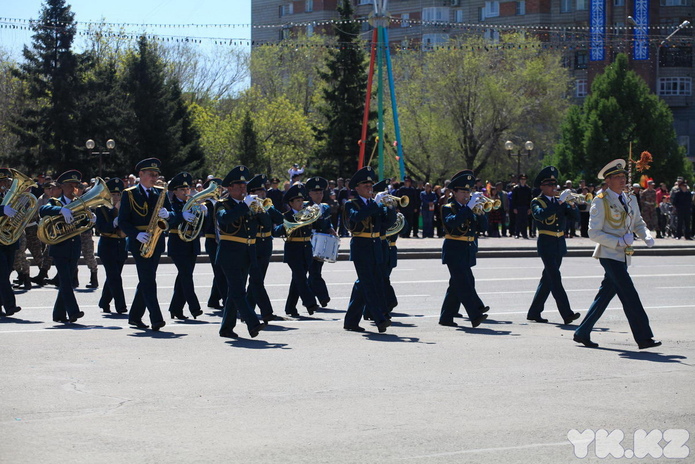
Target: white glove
(188, 216)
(475, 199)
(380, 196)
(9, 211)
(163, 213)
(115, 222)
(565, 195)
(143, 237)
(67, 214)
(626, 240)
(92, 218)
(248, 199)
(649, 241)
(204, 209)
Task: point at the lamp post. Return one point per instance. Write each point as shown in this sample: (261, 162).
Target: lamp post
(658, 52)
(509, 146)
(110, 145)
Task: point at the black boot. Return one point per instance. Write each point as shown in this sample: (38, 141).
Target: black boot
(27, 282)
(75, 280)
(40, 279)
(93, 280)
(53, 281)
(20, 282)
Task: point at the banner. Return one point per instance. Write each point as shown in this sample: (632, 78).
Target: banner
(641, 48)
(597, 50)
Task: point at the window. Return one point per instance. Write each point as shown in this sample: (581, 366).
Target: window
(676, 2)
(582, 5)
(308, 6)
(405, 17)
(684, 141)
(521, 8)
(430, 41)
(581, 59)
(285, 33)
(672, 86)
(491, 10)
(580, 88)
(365, 2)
(458, 16)
(618, 2)
(437, 13)
(565, 6)
(286, 9)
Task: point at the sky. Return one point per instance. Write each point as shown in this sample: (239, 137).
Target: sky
(138, 13)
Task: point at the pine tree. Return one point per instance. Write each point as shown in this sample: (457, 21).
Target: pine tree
(47, 128)
(248, 146)
(620, 110)
(343, 99)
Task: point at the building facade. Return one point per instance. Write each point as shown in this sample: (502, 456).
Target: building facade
(591, 33)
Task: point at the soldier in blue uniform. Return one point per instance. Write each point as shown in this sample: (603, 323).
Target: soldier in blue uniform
(65, 254)
(551, 215)
(459, 252)
(389, 249)
(236, 251)
(298, 254)
(137, 209)
(218, 289)
(267, 220)
(7, 254)
(183, 253)
(316, 186)
(363, 216)
(614, 220)
(112, 249)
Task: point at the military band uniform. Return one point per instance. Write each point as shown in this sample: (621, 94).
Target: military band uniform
(256, 293)
(236, 253)
(137, 208)
(613, 216)
(112, 252)
(66, 255)
(384, 275)
(363, 217)
(298, 256)
(184, 255)
(218, 289)
(459, 252)
(323, 225)
(551, 217)
(7, 256)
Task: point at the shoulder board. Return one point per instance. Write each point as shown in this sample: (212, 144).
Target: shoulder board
(130, 188)
(601, 195)
(541, 200)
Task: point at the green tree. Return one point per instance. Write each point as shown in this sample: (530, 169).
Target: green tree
(48, 128)
(620, 111)
(10, 96)
(248, 145)
(458, 104)
(343, 100)
(163, 124)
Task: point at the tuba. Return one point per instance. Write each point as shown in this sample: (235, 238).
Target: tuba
(302, 218)
(156, 226)
(24, 203)
(53, 229)
(397, 226)
(189, 231)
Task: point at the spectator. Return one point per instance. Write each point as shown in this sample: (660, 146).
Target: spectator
(275, 194)
(409, 211)
(295, 173)
(682, 203)
(648, 208)
(496, 216)
(428, 205)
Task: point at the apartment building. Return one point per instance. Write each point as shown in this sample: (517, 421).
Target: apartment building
(635, 27)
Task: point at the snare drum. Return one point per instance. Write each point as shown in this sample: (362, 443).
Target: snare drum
(325, 247)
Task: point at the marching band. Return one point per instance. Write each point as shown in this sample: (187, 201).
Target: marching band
(238, 223)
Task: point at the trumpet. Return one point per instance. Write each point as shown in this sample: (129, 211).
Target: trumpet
(486, 204)
(392, 201)
(260, 205)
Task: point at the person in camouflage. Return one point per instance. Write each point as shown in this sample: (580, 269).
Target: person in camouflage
(50, 189)
(21, 264)
(648, 205)
(87, 238)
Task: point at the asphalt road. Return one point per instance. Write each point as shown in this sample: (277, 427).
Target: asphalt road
(307, 391)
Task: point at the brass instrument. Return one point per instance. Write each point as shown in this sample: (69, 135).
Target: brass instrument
(189, 231)
(156, 226)
(392, 201)
(53, 229)
(575, 198)
(24, 203)
(397, 226)
(302, 218)
(486, 204)
(260, 205)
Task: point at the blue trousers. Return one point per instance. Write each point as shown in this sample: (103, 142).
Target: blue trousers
(113, 287)
(551, 282)
(461, 291)
(299, 286)
(184, 288)
(218, 290)
(146, 292)
(316, 282)
(256, 293)
(617, 281)
(65, 304)
(7, 298)
(236, 298)
(367, 295)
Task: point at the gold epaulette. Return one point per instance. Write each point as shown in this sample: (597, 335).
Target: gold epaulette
(130, 188)
(601, 195)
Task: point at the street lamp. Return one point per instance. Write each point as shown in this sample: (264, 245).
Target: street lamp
(509, 146)
(658, 52)
(110, 145)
